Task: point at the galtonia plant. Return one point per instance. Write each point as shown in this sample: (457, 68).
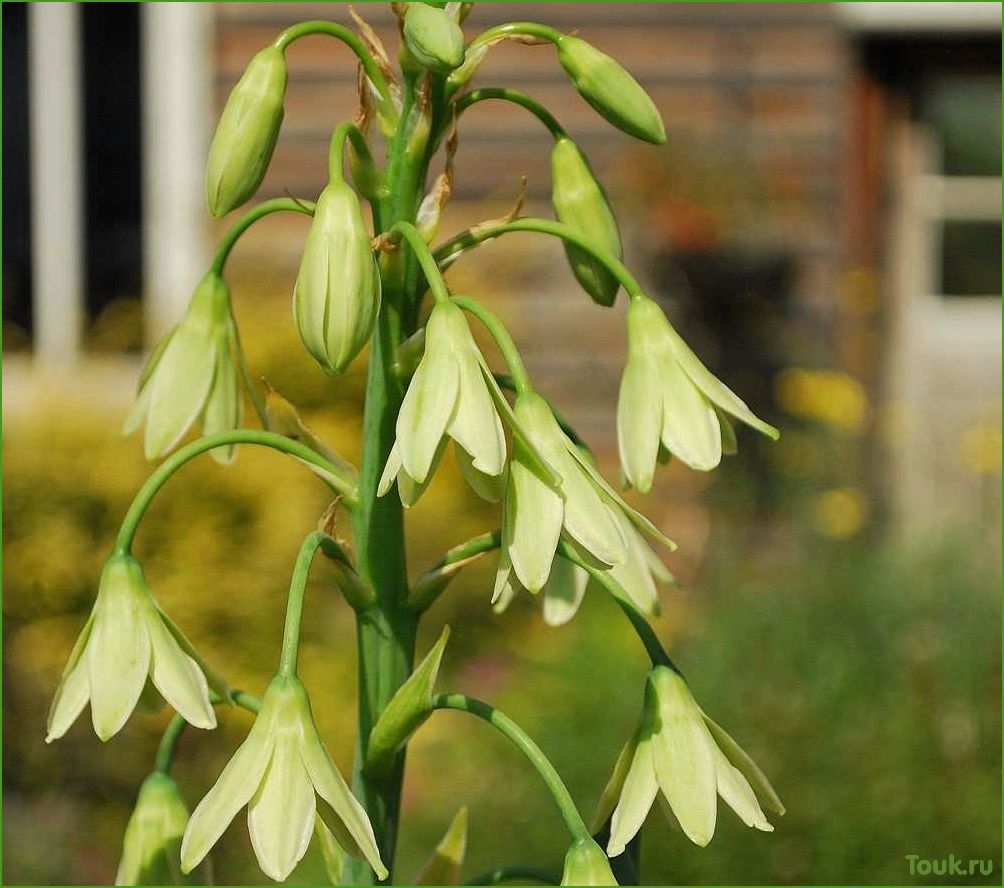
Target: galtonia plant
(371, 274)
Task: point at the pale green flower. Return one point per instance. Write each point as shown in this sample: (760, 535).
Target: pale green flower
(452, 396)
(246, 133)
(582, 506)
(612, 92)
(128, 639)
(586, 864)
(669, 397)
(566, 585)
(337, 294)
(151, 849)
(680, 752)
(580, 203)
(193, 374)
(278, 772)
(433, 37)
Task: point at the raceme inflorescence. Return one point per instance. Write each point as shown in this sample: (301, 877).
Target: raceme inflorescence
(371, 275)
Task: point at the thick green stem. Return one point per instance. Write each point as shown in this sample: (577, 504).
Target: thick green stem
(348, 37)
(516, 98)
(506, 726)
(503, 339)
(276, 205)
(452, 249)
(175, 461)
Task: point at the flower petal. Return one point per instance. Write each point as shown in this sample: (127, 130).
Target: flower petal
(118, 654)
(741, 760)
(639, 422)
(714, 389)
(74, 688)
(281, 812)
(177, 676)
(563, 591)
(225, 404)
(489, 487)
(636, 797)
(332, 788)
(690, 428)
(231, 792)
(428, 407)
(685, 768)
(476, 426)
(535, 512)
(738, 794)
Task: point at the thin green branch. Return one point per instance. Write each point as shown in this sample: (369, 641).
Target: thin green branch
(433, 582)
(427, 262)
(346, 131)
(276, 205)
(506, 382)
(348, 37)
(507, 727)
(653, 646)
(176, 727)
(516, 98)
(452, 249)
(503, 339)
(166, 469)
(516, 29)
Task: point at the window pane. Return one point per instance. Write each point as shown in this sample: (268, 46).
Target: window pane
(971, 259)
(966, 115)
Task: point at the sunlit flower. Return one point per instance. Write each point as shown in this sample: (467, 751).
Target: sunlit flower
(277, 772)
(193, 374)
(127, 640)
(669, 397)
(680, 752)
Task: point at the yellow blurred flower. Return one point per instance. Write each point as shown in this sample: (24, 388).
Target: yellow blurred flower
(981, 449)
(840, 513)
(827, 396)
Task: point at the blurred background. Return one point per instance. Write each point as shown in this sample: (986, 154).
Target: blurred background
(824, 225)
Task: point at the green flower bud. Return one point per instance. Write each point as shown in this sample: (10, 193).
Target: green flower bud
(669, 397)
(337, 294)
(406, 712)
(246, 134)
(680, 752)
(278, 772)
(128, 638)
(614, 93)
(151, 849)
(586, 864)
(580, 203)
(443, 867)
(194, 373)
(433, 37)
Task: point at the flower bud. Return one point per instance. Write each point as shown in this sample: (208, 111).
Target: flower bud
(586, 864)
(434, 38)
(337, 292)
(246, 134)
(580, 203)
(443, 867)
(152, 844)
(614, 93)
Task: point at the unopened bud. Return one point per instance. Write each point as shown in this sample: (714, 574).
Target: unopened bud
(434, 37)
(580, 203)
(337, 292)
(246, 134)
(614, 93)
(586, 864)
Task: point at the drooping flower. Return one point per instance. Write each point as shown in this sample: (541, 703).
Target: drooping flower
(246, 133)
(612, 92)
(194, 373)
(580, 203)
(151, 848)
(336, 298)
(450, 396)
(586, 864)
(581, 505)
(127, 640)
(680, 752)
(669, 397)
(278, 772)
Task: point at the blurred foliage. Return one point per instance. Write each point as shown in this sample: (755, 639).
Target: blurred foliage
(864, 679)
